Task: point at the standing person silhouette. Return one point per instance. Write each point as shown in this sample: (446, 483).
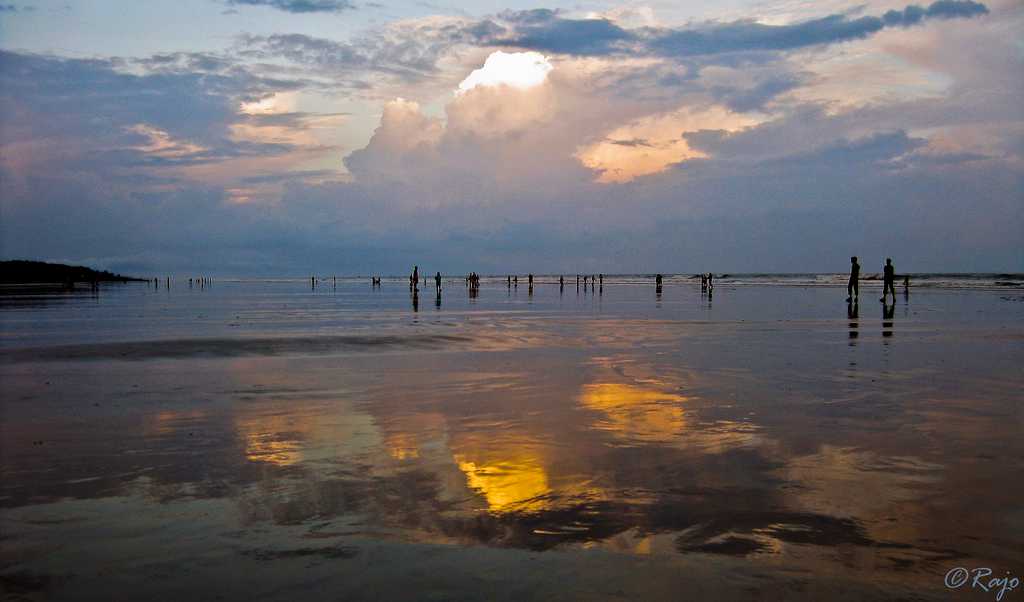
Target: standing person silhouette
(852, 287)
(437, 282)
(414, 280)
(888, 280)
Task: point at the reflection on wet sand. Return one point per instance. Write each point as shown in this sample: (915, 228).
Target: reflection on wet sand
(775, 446)
(271, 439)
(635, 413)
(509, 485)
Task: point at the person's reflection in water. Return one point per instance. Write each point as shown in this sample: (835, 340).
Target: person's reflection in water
(852, 315)
(415, 300)
(888, 313)
(437, 300)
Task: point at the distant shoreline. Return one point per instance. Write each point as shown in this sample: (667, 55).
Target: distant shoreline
(20, 271)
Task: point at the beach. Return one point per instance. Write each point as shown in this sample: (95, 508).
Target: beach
(273, 439)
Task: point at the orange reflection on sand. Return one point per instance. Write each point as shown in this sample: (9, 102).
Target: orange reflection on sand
(168, 422)
(635, 412)
(265, 440)
(402, 446)
(511, 484)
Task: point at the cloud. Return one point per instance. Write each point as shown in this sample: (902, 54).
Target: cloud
(623, 158)
(751, 36)
(407, 51)
(664, 142)
(544, 30)
(547, 31)
(299, 6)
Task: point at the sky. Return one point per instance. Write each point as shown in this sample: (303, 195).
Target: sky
(352, 137)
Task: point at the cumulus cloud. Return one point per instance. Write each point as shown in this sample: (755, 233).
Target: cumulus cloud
(624, 156)
(516, 69)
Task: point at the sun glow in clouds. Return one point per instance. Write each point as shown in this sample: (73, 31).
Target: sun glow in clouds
(517, 69)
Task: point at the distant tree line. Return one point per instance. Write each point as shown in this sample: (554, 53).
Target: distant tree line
(35, 272)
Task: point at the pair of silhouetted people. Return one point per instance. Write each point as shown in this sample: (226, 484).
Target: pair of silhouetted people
(888, 281)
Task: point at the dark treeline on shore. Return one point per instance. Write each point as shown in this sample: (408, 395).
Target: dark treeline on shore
(39, 272)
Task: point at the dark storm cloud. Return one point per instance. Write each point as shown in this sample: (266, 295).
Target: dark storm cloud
(943, 9)
(545, 30)
(745, 36)
(299, 6)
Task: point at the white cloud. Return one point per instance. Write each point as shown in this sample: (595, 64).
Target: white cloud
(515, 69)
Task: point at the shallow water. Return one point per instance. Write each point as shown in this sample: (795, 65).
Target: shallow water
(272, 440)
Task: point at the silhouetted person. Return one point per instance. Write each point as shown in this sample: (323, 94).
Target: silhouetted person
(515, 281)
(510, 282)
(853, 288)
(437, 282)
(561, 283)
(657, 280)
(530, 277)
(711, 281)
(906, 287)
(888, 280)
(601, 276)
(415, 278)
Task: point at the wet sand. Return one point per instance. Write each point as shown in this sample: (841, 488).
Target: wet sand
(261, 441)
